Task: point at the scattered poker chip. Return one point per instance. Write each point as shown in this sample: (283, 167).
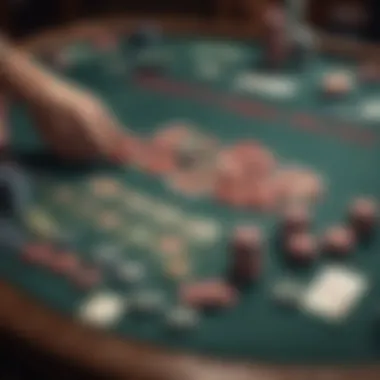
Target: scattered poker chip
(149, 301)
(295, 218)
(302, 247)
(208, 294)
(191, 184)
(64, 263)
(363, 216)
(257, 159)
(173, 135)
(297, 184)
(337, 84)
(247, 237)
(339, 241)
(262, 196)
(40, 254)
(102, 309)
(182, 318)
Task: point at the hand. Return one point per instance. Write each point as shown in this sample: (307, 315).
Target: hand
(76, 125)
(73, 122)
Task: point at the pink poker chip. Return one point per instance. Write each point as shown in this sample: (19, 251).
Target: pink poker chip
(40, 254)
(64, 263)
(210, 293)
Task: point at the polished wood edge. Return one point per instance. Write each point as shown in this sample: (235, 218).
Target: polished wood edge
(115, 357)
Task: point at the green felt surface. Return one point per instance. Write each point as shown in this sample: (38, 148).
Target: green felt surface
(200, 86)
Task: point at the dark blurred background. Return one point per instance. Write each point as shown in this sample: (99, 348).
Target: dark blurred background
(352, 18)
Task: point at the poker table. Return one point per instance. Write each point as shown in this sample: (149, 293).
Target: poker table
(199, 76)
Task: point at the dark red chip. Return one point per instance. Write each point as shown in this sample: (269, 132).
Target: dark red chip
(38, 254)
(211, 293)
(295, 218)
(301, 247)
(363, 215)
(64, 263)
(339, 241)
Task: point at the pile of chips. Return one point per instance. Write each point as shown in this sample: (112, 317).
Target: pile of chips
(249, 176)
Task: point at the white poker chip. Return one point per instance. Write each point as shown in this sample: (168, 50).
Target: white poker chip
(204, 231)
(182, 318)
(148, 301)
(131, 272)
(102, 310)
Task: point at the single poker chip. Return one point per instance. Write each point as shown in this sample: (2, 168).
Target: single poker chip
(363, 215)
(65, 263)
(247, 237)
(173, 135)
(182, 318)
(339, 83)
(296, 184)
(302, 247)
(263, 195)
(295, 218)
(208, 294)
(339, 241)
(257, 159)
(40, 254)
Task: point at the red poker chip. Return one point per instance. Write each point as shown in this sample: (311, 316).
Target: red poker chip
(64, 263)
(211, 293)
(38, 254)
(257, 159)
(172, 136)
